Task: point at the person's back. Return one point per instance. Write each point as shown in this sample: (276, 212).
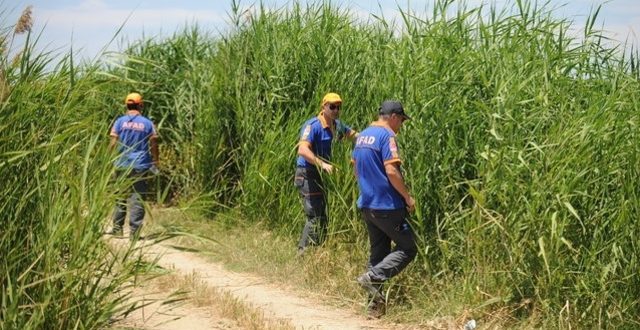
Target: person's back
(375, 147)
(134, 132)
(385, 203)
(135, 138)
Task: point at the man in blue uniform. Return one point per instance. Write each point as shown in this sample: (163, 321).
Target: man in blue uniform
(135, 138)
(384, 201)
(314, 155)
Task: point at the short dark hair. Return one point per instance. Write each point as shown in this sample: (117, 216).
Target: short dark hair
(133, 106)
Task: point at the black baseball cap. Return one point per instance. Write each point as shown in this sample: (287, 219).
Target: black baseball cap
(391, 106)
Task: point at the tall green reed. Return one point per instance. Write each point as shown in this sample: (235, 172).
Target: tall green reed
(511, 153)
(55, 170)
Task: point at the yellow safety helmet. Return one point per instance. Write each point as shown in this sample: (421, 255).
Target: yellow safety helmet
(331, 98)
(133, 98)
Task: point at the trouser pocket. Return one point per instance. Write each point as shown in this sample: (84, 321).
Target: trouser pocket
(309, 185)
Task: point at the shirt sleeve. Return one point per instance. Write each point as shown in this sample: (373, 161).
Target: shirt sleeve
(115, 129)
(307, 135)
(389, 150)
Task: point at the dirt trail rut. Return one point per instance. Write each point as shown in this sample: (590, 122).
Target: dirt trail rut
(276, 303)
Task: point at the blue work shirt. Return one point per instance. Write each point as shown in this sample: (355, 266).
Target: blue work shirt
(375, 147)
(133, 131)
(318, 134)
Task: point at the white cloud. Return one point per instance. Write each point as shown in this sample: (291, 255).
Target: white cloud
(91, 24)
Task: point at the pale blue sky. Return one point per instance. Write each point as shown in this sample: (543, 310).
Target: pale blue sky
(89, 25)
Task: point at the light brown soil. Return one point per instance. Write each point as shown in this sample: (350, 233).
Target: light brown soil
(160, 316)
(276, 304)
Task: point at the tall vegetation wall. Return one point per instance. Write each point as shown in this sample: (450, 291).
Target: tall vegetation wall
(522, 153)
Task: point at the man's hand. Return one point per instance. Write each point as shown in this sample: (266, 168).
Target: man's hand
(327, 167)
(411, 204)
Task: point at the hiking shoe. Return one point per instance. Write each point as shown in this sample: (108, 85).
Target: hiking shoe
(300, 252)
(372, 288)
(376, 309)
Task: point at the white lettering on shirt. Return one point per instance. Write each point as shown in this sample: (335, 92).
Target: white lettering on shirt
(133, 126)
(366, 140)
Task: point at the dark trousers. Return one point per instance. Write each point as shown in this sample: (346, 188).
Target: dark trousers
(136, 192)
(314, 202)
(384, 227)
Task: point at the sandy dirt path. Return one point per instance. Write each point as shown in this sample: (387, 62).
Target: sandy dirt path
(164, 304)
(276, 303)
(160, 316)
